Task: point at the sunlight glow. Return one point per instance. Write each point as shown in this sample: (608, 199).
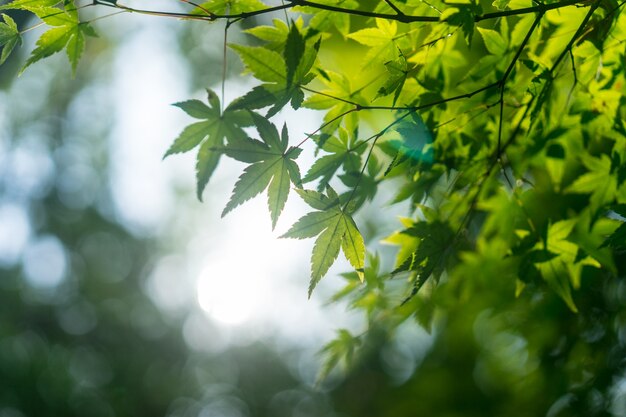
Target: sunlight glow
(229, 290)
(237, 273)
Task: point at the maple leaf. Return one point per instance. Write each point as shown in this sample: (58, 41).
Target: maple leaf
(336, 229)
(209, 134)
(9, 37)
(67, 33)
(271, 166)
(342, 152)
(283, 75)
(598, 182)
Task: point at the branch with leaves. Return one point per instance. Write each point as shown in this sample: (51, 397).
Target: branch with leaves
(458, 108)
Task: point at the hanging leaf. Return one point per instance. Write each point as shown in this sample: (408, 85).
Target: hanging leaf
(272, 167)
(283, 75)
(336, 230)
(9, 37)
(210, 134)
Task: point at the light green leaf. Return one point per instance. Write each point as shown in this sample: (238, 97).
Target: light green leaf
(75, 47)
(336, 230)
(383, 34)
(265, 65)
(397, 71)
(353, 246)
(599, 182)
(325, 167)
(253, 181)
(317, 200)
(260, 96)
(197, 109)
(325, 250)
(190, 137)
(54, 16)
(229, 6)
(494, 42)
(50, 42)
(272, 165)
(311, 224)
(27, 4)
(9, 37)
(248, 150)
(68, 32)
(278, 192)
(269, 134)
(210, 134)
(206, 162)
(274, 34)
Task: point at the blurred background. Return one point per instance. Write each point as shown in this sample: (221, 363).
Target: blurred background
(122, 295)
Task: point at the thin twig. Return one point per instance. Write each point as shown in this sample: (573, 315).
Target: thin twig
(394, 7)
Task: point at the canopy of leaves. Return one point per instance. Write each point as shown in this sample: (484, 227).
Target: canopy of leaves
(502, 124)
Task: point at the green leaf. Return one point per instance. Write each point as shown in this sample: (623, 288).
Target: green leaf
(229, 6)
(382, 35)
(51, 42)
(462, 16)
(68, 33)
(317, 200)
(500, 4)
(272, 168)
(54, 16)
(294, 50)
(599, 182)
(275, 35)
(278, 192)
(397, 72)
(260, 96)
(341, 350)
(494, 42)
(253, 181)
(311, 224)
(248, 150)
(617, 239)
(353, 246)
(326, 250)
(9, 37)
(209, 134)
(28, 4)
(336, 230)
(75, 47)
(269, 133)
(197, 109)
(190, 137)
(416, 146)
(325, 167)
(265, 65)
(206, 162)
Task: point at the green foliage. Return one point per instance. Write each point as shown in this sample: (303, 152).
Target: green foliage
(67, 31)
(9, 37)
(271, 163)
(209, 135)
(501, 123)
(336, 229)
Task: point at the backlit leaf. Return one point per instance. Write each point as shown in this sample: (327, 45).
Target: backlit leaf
(9, 37)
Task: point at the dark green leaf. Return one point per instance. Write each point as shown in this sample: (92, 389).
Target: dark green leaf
(294, 50)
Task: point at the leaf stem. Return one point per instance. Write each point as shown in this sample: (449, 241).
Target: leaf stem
(394, 7)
